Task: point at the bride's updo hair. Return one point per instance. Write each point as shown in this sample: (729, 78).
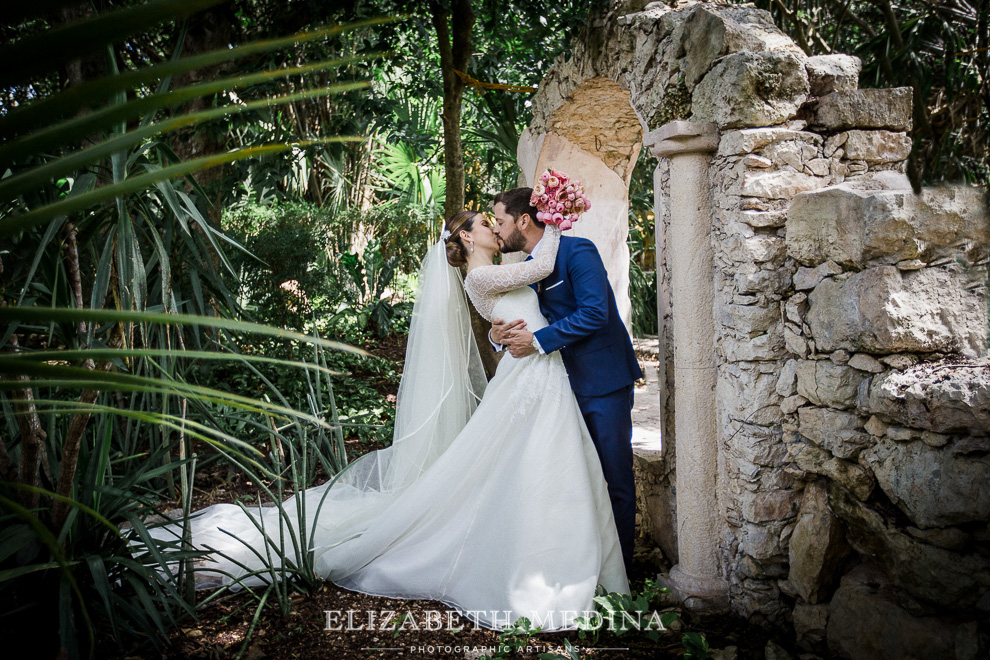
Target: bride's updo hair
(462, 221)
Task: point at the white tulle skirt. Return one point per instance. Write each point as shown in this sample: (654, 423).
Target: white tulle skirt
(511, 519)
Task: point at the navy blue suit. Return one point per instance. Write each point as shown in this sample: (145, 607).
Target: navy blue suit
(585, 327)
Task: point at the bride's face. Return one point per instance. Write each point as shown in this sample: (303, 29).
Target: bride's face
(482, 235)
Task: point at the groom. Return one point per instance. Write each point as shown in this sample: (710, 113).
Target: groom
(585, 327)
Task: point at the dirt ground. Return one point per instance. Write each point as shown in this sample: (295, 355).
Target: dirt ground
(318, 627)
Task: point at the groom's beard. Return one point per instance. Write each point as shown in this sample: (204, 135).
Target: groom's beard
(513, 242)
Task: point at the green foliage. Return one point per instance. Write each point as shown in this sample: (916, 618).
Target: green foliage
(695, 646)
(623, 613)
(518, 635)
(118, 295)
(642, 248)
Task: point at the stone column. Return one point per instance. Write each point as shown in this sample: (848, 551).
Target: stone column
(696, 579)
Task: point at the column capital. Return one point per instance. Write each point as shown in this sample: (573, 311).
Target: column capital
(682, 137)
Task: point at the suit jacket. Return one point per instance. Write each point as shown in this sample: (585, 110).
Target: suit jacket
(584, 322)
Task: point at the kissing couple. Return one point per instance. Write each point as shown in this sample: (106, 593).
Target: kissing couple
(503, 499)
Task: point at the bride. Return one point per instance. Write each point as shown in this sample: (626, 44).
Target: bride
(491, 498)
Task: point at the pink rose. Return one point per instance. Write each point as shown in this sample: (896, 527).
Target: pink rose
(565, 224)
(587, 204)
(553, 182)
(544, 198)
(568, 204)
(545, 177)
(570, 195)
(557, 218)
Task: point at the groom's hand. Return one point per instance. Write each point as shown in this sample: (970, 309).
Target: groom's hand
(501, 331)
(520, 343)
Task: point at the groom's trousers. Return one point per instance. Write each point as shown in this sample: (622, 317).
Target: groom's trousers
(609, 420)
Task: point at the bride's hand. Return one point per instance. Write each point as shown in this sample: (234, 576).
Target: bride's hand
(502, 330)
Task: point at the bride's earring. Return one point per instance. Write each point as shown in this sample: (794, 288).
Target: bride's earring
(472, 247)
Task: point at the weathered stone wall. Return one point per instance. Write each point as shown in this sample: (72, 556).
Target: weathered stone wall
(850, 327)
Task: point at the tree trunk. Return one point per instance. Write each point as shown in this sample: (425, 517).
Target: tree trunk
(455, 50)
(33, 438)
(454, 42)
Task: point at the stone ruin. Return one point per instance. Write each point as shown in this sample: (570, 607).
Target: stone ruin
(825, 387)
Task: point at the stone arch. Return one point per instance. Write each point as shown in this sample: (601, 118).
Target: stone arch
(778, 183)
(601, 153)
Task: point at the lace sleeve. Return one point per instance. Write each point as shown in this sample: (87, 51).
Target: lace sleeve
(488, 280)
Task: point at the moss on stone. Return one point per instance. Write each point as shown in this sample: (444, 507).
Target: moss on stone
(676, 105)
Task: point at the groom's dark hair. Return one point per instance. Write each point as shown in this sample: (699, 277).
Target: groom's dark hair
(516, 203)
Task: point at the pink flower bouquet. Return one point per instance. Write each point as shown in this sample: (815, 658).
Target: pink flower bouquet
(558, 199)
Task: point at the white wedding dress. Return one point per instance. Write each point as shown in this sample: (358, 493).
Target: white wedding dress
(500, 514)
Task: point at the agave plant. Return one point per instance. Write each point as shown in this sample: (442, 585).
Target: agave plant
(112, 293)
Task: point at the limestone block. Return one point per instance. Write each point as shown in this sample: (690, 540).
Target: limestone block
(759, 541)
(767, 346)
(934, 439)
(753, 161)
(796, 308)
(774, 651)
(814, 459)
(867, 622)
(858, 227)
(744, 392)
(709, 32)
(792, 403)
(817, 547)
(944, 398)
(770, 505)
(865, 108)
(597, 118)
(865, 362)
(819, 166)
(902, 434)
(704, 37)
(787, 381)
(839, 432)
(810, 623)
(828, 384)
(833, 73)
(899, 361)
(656, 504)
(877, 146)
(759, 248)
(949, 579)
(749, 319)
(750, 278)
(751, 89)
(934, 487)
(840, 357)
(875, 427)
(794, 342)
(763, 218)
(950, 538)
(806, 278)
(885, 310)
(749, 140)
(778, 184)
